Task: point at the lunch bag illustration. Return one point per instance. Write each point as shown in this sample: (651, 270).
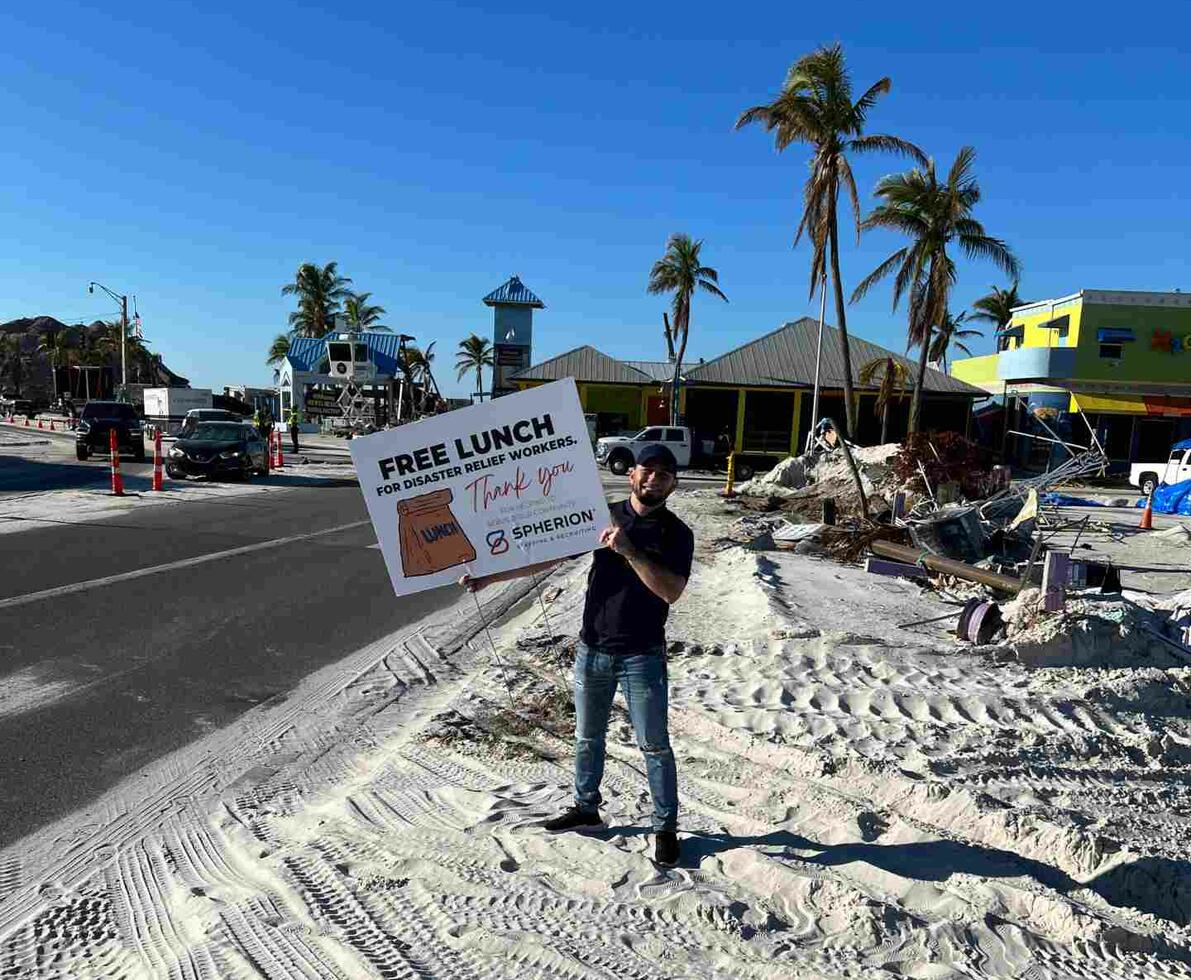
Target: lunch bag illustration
(431, 538)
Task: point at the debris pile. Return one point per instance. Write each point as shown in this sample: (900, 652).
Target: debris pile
(934, 511)
(799, 485)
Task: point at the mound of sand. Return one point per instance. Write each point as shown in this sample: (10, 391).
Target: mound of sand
(1093, 631)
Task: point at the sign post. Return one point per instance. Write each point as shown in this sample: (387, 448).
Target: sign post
(485, 489)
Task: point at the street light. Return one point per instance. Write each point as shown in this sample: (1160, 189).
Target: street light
(123, 301)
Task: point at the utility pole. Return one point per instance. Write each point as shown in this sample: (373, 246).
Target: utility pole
(124, 342)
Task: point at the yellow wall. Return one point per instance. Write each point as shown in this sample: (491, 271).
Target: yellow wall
(978, 371)
(1036, 336)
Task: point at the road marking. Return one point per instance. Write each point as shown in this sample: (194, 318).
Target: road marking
(96, 583)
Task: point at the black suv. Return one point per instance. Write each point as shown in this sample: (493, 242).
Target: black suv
(101, 418)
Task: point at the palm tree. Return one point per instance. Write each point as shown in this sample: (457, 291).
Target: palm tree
(89, 354)
(419, 364)
(474, 353)
(278, 349)
(949, 332)
(359, 314)
(894, 377)
(680, 271)
(319, 293)
(815, 107)
(997, 306)
(52, 345)
(932, 215)
(13, 360)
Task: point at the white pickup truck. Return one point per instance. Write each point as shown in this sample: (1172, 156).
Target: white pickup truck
(619, 453)
(1147, 477)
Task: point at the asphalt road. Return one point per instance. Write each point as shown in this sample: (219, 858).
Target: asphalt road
(102, 680)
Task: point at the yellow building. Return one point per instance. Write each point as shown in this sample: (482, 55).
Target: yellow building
(1118, 360)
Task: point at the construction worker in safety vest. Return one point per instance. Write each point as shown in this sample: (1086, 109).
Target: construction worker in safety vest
(258, 423)
(294, 420)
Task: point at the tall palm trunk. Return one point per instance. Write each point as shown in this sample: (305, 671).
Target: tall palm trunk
(480, 379)
(841, 319)
(885, 423)
(682, 322)
(916, 399)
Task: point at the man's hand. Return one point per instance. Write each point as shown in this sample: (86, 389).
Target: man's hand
(473, 584)
(616, 538)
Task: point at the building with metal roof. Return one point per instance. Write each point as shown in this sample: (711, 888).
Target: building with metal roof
(759, 394)
(785, 358)
(512, 305)
(513, 292)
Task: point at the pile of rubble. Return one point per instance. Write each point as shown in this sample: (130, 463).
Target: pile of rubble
(799, 485)
(934, 514)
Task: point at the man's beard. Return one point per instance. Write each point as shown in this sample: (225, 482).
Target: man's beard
(651, 498)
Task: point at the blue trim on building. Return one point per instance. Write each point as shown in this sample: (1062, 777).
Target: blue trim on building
(513, 293)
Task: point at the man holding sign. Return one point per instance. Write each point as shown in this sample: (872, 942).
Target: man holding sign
(634, 579)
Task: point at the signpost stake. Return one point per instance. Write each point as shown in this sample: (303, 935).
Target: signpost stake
(496, 656)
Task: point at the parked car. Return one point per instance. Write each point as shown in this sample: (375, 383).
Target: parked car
(1147, 477)
(619, 453)
(197, 415)
(229, 450)
(99, 420)
(16, 406)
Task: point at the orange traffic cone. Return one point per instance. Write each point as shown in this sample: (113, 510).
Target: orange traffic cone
(39, 425)
(117, 479)
(1147, 515)
(157, 481)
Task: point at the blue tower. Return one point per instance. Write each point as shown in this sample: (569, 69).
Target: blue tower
(512, 331)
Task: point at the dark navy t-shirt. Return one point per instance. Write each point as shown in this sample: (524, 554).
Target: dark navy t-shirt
(622, 614)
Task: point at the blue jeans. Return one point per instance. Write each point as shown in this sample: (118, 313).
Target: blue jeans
(643, 678)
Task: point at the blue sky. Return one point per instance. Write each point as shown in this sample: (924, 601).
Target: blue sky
(195, 154)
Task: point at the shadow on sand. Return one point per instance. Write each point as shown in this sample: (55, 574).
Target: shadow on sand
(1158, 886)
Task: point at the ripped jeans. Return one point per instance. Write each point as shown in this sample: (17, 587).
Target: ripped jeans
(643, 678)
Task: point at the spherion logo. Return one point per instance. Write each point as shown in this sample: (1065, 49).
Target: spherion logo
(498, 543)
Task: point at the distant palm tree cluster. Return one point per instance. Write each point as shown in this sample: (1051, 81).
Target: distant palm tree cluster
(816, 108)
(323, 295)
(84, 351)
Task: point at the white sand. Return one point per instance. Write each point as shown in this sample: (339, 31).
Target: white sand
(858, 801)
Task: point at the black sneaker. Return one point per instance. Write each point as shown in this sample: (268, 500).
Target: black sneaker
(575, 819)
(665, 848)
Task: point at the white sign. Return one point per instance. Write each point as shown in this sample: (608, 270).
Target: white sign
(483, 489)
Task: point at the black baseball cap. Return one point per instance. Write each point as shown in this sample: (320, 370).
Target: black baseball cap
(659, 457)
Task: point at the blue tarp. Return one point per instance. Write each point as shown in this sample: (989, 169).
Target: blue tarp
(1055, 499)
(1173, 499)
